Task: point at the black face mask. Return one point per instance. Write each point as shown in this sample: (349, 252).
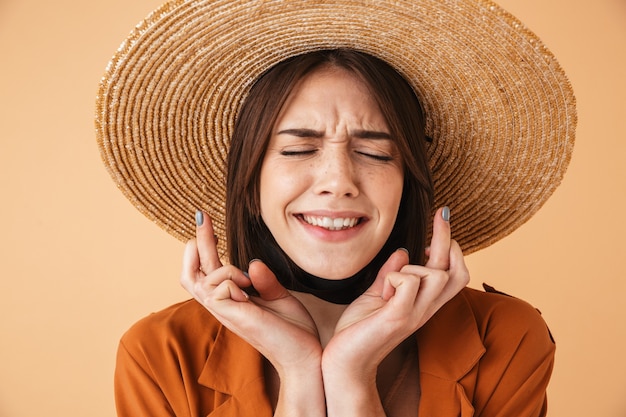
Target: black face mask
(341, 291)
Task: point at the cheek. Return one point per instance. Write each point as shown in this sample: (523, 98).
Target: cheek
(266, 186)
(389, 197)
(388, 187)
(394, 198)
(279, 184)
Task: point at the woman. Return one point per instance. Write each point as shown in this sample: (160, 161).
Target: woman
(328, 154)
(325, 307)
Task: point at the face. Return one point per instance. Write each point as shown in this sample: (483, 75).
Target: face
(331, 181)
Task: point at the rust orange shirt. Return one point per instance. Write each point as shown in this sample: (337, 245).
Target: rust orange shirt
(482, 354)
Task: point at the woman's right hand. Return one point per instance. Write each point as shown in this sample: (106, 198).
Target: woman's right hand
(275, 323)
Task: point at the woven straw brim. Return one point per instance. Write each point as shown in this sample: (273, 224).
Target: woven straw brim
(499, 107)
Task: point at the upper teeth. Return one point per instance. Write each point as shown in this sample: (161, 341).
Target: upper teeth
(330, 223)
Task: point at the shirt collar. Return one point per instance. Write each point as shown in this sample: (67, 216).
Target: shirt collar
(235, 368)
(449, 343)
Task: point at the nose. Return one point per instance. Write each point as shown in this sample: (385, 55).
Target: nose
(336, 174)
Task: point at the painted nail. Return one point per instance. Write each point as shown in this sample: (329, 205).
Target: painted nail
(404, 249)
(246, 274)
(445, 213)
(199, 218)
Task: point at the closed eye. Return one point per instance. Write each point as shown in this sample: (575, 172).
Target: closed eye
(302, 152)
(377, 157)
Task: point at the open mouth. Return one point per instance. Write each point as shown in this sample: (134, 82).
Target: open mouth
(328, 223)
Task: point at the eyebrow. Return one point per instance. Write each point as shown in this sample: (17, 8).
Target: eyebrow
(302, 133)
(370, 134)
(311, 133)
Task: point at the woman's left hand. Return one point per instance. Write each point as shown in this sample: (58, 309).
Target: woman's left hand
(402, 298)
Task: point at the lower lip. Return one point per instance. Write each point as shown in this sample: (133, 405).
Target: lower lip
(332, 235)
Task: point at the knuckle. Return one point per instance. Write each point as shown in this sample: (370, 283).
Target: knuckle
(436, 258)
(186, 280)
(440, 274)
(443, 278)
(465, 278)
(211, 295)
(230, 270)
(460, 278)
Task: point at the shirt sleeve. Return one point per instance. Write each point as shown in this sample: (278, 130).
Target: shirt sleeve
(160, 362)
(137, 394)
(513, 374)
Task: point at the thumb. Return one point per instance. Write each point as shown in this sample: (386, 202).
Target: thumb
(396, 261)
(265, 282)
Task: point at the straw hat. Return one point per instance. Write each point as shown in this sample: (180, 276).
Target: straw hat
(499, 108)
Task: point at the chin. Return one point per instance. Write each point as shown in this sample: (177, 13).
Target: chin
(334, 265)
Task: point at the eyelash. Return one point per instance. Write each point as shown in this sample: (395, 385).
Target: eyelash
(298, 153)
(381, 158)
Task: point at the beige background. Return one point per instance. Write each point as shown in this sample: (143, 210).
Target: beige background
(80, 265)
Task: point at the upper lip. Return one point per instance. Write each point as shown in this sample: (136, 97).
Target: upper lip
(334, 219)
(333, 214)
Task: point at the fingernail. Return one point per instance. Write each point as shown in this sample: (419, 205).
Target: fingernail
(246, 274)
(445, 213)
(199, 218)
(404, 249)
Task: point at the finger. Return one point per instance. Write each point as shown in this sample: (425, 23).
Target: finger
(438, 287)
(191, 265)
(394, 263)
(403, 287)
(229, 290)
(223, 283)
(440, 242)
(433, 284)
(265, 282)
(453, 281)
(206, 242)
(459, 274)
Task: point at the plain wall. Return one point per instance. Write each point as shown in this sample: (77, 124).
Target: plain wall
(80, 264)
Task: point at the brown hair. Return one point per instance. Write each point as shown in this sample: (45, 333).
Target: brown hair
(247, 236)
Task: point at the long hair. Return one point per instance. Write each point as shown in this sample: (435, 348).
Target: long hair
(247, 235)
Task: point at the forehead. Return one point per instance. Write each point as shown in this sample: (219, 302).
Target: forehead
(332, 90)
(331, 75)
